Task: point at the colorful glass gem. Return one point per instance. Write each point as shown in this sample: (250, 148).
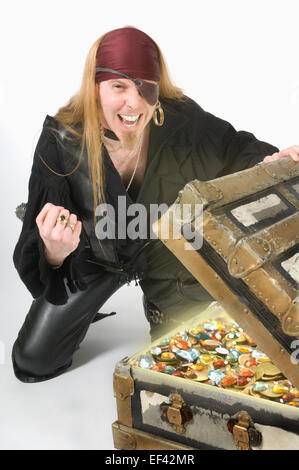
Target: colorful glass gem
(178, 373)
(250, 362)
(221, 351)
(158, 367)
(288, 396)
(277, 388)
(205, 358)
(228, 380)
(198, 367)
(156, 351)
(181, 344)
(243, 349)
(232, 335)
(169, 369)
(189, 355)
(210, 327)
(259, 387)
(242, 381)
(216, 376)
(219, 364)
(245, 372)
(232, 358)
(202, 336)
(190, 374)
(259, 356)
(167, 355)
(145, 361)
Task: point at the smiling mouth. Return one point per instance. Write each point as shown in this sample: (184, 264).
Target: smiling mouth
(129, 121)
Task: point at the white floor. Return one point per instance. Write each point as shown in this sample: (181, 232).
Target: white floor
(75, 410)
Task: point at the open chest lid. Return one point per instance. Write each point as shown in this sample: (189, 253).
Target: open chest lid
(238, 235)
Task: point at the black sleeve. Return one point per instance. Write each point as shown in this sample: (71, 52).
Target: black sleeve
(28, 257)
(238, 150)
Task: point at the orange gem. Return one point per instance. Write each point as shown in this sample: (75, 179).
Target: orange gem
(181, 344)
(250, 340)
(243, 349)
(158, 367)
(228, 380)
(250, 362)
(288, 396)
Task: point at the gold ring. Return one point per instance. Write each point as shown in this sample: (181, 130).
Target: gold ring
(62, 219)
(72, 226)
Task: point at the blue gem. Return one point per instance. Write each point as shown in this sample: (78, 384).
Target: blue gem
(169, 369)
(202, 336)
(156, 351)
(210, 327)
(216, 376)
(256, 354)
(189, 355)
(145, 361)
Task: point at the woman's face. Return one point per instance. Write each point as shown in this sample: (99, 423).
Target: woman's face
(123, 110)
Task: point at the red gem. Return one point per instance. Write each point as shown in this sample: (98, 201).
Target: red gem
(245, 373)
(242, 381)
(218, 364)
(178, 373)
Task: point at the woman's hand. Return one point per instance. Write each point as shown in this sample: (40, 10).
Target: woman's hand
(292, 152)
(60, 239)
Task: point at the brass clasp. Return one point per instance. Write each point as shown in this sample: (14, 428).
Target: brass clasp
(244, 431)
(177, 413)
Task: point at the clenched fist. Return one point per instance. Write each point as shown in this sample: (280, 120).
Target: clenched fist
(60, 232)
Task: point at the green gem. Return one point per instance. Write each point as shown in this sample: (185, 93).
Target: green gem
(169, 370)
(259, 387)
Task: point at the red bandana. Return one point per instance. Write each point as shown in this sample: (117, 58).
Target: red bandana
(129, 51)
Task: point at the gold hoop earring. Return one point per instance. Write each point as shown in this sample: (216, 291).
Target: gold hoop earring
(161, 115)
(102, 132)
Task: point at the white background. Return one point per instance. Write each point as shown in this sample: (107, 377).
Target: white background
(238, 60)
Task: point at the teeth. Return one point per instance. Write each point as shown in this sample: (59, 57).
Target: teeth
(129, 118)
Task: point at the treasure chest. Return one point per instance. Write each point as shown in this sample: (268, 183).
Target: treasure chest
(228, 378)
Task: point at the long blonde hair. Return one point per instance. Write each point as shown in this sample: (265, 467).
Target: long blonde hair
(82, 109)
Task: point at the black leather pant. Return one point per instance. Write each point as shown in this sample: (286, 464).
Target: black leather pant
(52, 333)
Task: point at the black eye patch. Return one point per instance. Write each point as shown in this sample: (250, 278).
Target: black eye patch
(149, 91)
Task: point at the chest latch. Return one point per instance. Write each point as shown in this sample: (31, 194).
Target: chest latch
(244, 431)
(177, 413)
